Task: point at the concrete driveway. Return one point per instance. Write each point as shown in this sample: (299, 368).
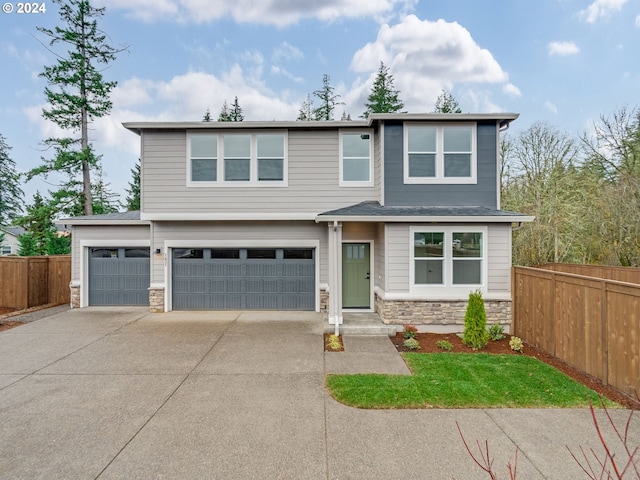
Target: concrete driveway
(120, 393)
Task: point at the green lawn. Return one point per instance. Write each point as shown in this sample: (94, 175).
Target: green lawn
(459, 380)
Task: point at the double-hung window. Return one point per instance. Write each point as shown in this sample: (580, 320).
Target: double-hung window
(356, 159)
(237, 159)
(448, 257)
(440, 153)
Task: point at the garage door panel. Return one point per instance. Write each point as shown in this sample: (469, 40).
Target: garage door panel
(119, 276)
(254, 279)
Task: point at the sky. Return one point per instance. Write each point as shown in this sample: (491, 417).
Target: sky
(564, 62)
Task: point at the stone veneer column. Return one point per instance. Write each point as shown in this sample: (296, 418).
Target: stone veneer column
(75, 296)
(324, 300)
(156, 300)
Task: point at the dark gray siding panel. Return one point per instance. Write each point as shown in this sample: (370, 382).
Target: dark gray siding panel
(481, 194)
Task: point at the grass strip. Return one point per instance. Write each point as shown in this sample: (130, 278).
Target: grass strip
(459, 380)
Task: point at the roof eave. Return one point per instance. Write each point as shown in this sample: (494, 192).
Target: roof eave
(82, 222)
(427, 218)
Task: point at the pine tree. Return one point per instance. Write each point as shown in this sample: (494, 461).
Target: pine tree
(225, 114)
(236, 112)
(76, 91)
(11, 195)
(383, 97)
(38, 223)
(305, 114)
(207, 116)
(446, 103)
(328, 100)
(133, 197)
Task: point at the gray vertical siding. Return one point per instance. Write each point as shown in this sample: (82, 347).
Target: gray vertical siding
(481, 194)
(379, 259)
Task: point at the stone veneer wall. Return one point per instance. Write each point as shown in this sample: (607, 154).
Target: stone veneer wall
(156, 300)
(399, 312)
(75, 296)
(324, 300)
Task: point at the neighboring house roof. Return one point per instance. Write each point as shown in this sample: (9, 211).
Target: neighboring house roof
(15, 231)
(374, 118)
(372, 211)
(118, 218)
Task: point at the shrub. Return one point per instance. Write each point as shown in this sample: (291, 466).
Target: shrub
(496, 332)
(444, 345)
(475, 322)
(412, 344)
(516, 344)
(409, 331)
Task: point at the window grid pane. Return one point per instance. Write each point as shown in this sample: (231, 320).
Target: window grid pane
(237, 169)
(204, 170)
(429, 272)
(270, 169)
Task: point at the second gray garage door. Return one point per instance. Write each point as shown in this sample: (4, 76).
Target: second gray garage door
(243, 279)
(119, 276)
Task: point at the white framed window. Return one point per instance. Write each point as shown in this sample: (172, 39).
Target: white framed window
(440, 153)
(356, 158)
(448, 258)
(236, 159)
(5, 249)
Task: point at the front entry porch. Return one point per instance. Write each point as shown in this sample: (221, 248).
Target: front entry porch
(368, 323)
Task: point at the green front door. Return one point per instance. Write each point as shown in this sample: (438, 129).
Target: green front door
(356, 282)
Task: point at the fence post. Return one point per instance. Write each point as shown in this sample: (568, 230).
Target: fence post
(605, 331)
(552, 323)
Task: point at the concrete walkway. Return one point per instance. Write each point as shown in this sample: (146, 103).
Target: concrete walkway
(114, 393)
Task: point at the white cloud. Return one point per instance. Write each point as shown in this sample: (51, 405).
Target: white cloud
(563, 48)
(601, 9)
(511, 90)
(551, 107)
(286, 52)
(424, 57)
(638, 21)
(271, 12)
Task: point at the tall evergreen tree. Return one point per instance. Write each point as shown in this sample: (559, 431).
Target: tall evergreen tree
(133, 197)
(446, 103)
(305, 113)
(383, 97)
(328, 100)
(207, 116)
(38, 223)
(231, 114)
(11, 195)
(76, 91)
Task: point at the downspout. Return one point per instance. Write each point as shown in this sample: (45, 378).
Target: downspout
(335, 293)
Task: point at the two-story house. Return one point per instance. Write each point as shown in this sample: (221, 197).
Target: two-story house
(397, 214)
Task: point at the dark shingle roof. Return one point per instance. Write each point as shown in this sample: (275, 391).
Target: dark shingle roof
(374, 209)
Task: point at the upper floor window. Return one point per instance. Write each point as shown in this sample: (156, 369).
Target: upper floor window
(237, 159)
(439, 153)
(356, 159)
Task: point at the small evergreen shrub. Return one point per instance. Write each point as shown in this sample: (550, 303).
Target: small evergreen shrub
(516, 344)
(475, 322)
(412, 344)
(496, 332)
(444, 345)
(409, 331)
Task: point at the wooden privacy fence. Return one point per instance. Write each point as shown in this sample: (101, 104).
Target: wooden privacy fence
(620, 274)
(590, 323)
(27, 282)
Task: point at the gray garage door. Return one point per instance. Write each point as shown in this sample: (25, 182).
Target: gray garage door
(243, 279)
(119, 276)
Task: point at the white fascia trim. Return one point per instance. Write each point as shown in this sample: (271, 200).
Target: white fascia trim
(71, 221)
(413, 297)
(85, 244)
(228, 216)
(427, 219)
(156, 285)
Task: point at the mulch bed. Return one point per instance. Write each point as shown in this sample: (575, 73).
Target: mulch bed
(428, 345)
